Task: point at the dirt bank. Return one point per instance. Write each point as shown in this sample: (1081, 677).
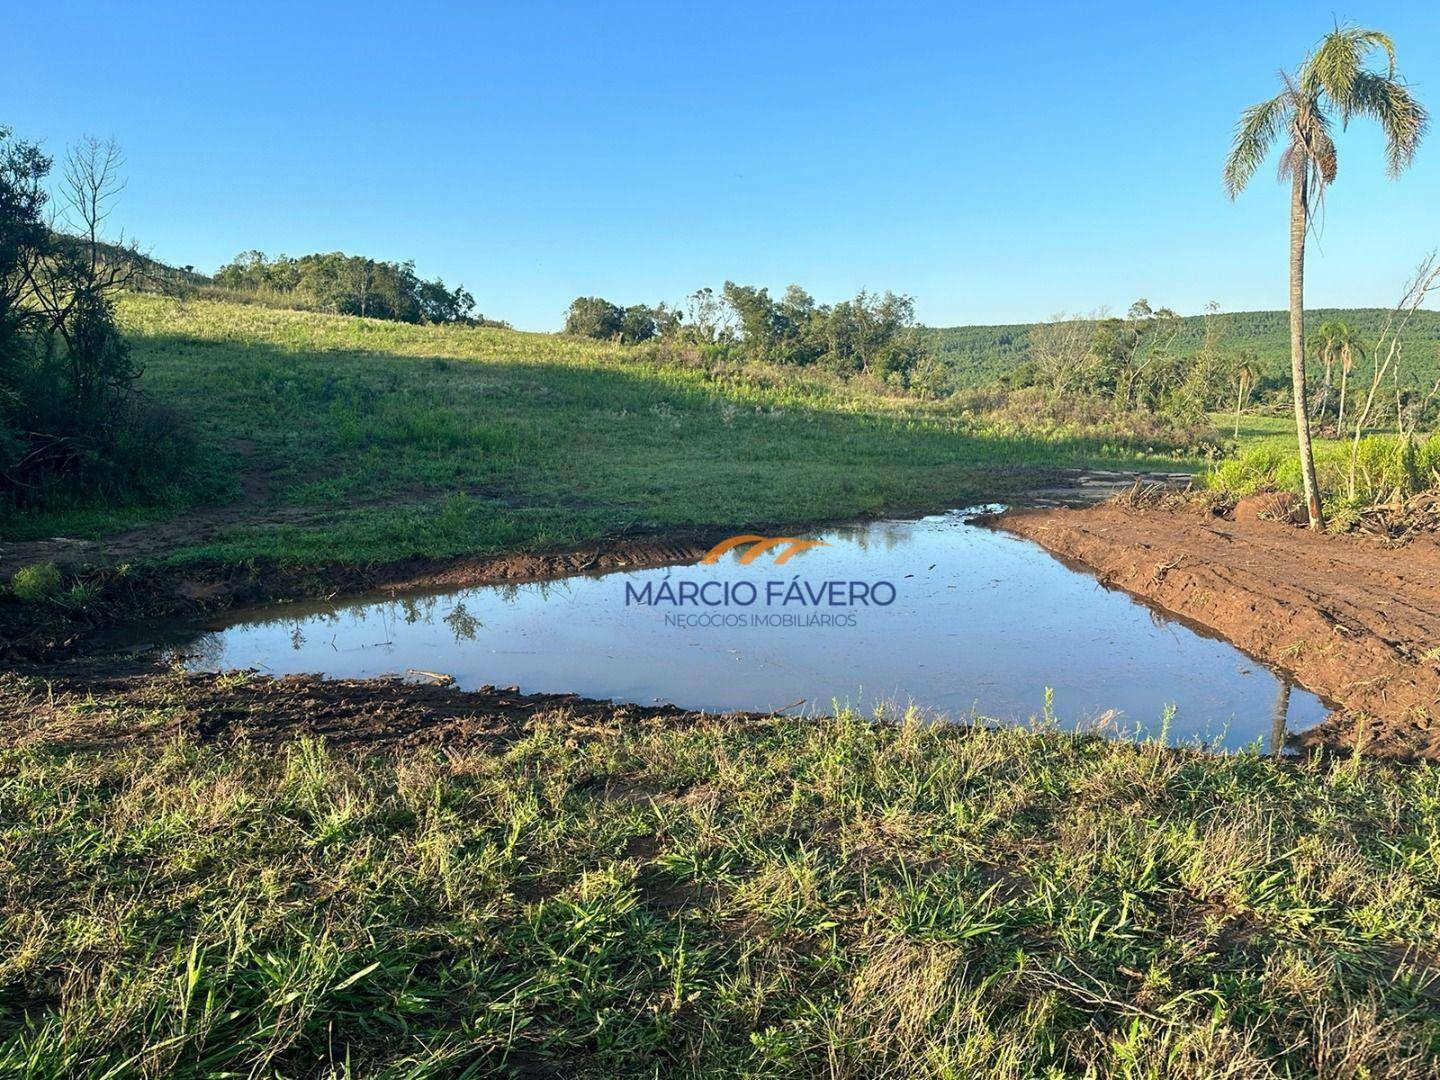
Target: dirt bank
(127, 581)
(31, 632)
(88, 704)
(1354, 619)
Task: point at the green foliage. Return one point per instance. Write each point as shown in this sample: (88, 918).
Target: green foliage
(873, 334)
(1256, 469)
(599, 319)
(348, 285)
(1332, 83)
(1038, 411)
(1388, 468)
(594, 317)
(790, 897)
(36, 582)
(981, 355)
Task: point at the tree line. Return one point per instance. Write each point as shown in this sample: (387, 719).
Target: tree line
(873, 334)
(349, 285)
(1135, 361)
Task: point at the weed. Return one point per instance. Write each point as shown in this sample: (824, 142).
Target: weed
(36, 582)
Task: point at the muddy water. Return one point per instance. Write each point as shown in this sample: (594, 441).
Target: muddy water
(939, 613)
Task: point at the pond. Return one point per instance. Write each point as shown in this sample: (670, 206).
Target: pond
(941, 614)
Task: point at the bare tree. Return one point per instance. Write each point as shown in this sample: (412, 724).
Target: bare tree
(1388, 349)
(72, 282)
(1060, 351)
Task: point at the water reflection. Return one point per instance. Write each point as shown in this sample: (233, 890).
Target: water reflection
(1279, 717)
(982, 624)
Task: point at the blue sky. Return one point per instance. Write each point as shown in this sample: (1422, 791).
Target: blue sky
(998, 165)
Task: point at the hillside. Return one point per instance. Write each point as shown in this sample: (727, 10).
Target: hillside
(982, 354)
(323, 438)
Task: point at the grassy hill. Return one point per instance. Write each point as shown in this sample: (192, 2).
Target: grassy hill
(982, 354)
(344, 439)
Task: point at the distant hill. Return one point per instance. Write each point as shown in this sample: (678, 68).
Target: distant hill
(982, 354)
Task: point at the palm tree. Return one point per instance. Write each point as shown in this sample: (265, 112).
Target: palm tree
(1246, 369)
(1350, 348)
(1332, 80)
(1327, 348)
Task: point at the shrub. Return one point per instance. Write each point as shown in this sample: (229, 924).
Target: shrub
(1387, 468)
(1037, 411)
(1256, 469)
(36, 582)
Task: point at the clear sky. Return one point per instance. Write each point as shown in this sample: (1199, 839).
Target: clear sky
(998, 162)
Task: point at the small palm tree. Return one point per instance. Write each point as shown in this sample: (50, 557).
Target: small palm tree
(1350, 350)
(1327, 349)
(1246, 372)
(1332, 80)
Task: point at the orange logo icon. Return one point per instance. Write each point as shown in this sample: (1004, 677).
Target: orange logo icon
(760, 545)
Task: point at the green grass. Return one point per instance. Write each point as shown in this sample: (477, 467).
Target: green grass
(376, 440)
(1386, 466)
(781, 898)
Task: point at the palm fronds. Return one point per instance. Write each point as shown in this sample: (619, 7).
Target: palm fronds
(1390, 104)
(1258, 128)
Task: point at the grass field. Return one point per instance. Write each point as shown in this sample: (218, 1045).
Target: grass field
(358, 440)
(765, 898)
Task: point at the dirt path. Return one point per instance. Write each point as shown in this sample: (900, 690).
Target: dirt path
(1354, 620)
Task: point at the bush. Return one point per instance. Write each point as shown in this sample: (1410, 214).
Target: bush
(36, 582)
(1038, 411)
(1387, 468)
(1257, 469)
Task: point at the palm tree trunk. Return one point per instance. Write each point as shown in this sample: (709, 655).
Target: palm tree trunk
(1239, 402)
(1323, 400)
(1299, 216)
(1340, 423)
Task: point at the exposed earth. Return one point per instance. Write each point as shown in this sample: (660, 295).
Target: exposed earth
(1355, 619)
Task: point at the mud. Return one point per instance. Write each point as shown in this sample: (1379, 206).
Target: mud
(1354, 619)
(31, 632)
(87, 706)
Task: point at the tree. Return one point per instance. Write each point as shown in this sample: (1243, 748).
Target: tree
(23, 234)
(760, 325)
(637, 324)
(73, 285)
(1327, 350)
(441, 305)
(1350, 350)
(1333, 80)
(1060, 352)
(1129, 349)
(593, 317)
(1246, 371)
(66, 373)
(349, 285)
(706, 316)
